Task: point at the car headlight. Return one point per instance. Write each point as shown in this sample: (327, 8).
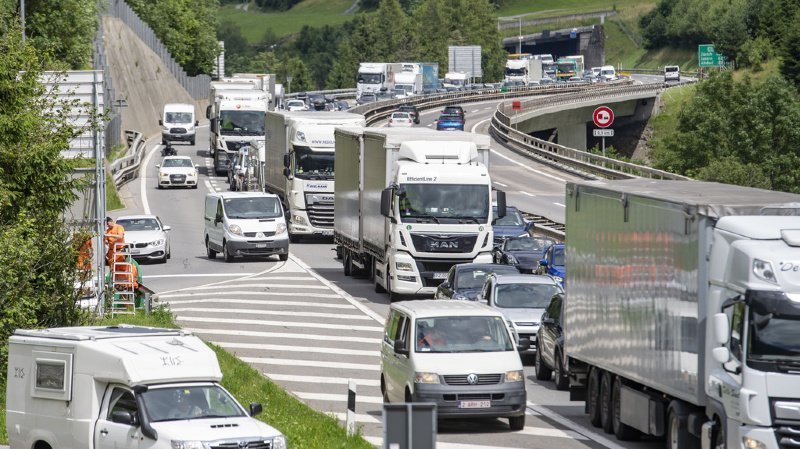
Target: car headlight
(763, 270)
(235, 229)
(192, 174)
(511, 259)
(280, 229)
(301, 136)
(279, 442)
(163, 174)
(404, 266)
(515, 376)
(158, 242)
(751, 443)
(426, 378)
(177, 444)
(298, 219)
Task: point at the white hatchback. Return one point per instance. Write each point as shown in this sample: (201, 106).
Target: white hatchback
(177, 171)
(400, 120)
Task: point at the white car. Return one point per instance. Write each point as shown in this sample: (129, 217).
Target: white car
(296, 105)
(672, 73)
(146, 236)
(400, 120)
(177, 171)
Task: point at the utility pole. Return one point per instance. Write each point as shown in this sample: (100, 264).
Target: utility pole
(22, 19)
(519, 44)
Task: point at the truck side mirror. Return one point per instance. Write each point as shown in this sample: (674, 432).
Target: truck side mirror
(287, 160)
(208, 111)
(721, 354)
(501, 204)
(287, 173)
(160, 122)
(721, 328)
(255, 408)
(214, 127)
(400, 347)
(386, 202)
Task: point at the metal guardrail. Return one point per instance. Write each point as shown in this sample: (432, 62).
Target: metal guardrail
(655, 72)
(126, 168)
(337, 93)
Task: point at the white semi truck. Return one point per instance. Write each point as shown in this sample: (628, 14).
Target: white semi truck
(682, 313)
(299, 163)
(123, 387)
(236, 113)
(374, 77)
(525, 70)
(410, 204)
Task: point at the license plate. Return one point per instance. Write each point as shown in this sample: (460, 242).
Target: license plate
(134, 251)
(474, 404)
(261, 245)
(327, 233)
(440, 275)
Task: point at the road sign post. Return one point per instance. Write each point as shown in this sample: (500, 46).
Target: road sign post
(603, 117)
(516, 105)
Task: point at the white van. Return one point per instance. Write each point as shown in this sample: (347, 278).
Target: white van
(459, 355)
(672, 73)
(245, 224)
(178, 123)
(123, 387)
(608, 73)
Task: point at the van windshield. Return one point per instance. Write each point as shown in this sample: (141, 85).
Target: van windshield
(252, 207)
(462, 334)
(190, 402)
(178, 117)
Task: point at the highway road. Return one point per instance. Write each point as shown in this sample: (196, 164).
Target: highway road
(309, 328)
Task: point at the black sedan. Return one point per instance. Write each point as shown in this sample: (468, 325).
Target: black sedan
(550, 345)
(465, 281)
(523, 252)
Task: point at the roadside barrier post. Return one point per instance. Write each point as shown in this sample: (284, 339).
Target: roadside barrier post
(351, 407)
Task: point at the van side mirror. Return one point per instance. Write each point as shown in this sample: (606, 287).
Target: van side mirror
(158, 165)
(208, 111)
(721, 328)
(125, 417)
(255, 408)
(167, 228)
(524, 344)
(400, 347)
(160, 122)
(197, 123)
(287, 160)
(528, 226)
(548, 320)
(218, 219)
(386, 202)
(501, 204)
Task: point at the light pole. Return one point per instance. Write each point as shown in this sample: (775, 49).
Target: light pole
(289, 83)
(22, 19)
(519, 44)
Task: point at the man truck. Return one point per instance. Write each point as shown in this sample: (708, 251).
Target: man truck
(299, 162)
(376, 77)
(525, 70)
(410, 203)
(682, 312)
(236, 113)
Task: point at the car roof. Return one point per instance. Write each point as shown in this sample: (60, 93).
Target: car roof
(486, 266)
(401, 113)
(176, 157)
(523, 279)
(431, 308)
(135, 217)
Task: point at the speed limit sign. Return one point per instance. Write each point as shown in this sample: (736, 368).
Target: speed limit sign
(603, 117)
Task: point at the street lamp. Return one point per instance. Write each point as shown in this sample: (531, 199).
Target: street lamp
(22, 19)
(289, 83)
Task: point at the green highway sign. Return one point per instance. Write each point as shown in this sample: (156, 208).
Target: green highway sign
(708, 57)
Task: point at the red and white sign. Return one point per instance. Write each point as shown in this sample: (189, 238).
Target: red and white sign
(516, 105)
(603, 117)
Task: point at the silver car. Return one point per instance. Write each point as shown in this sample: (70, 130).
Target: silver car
(522, 299)
(146, 236)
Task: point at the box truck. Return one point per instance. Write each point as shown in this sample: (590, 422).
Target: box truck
(236, 112)
(123, 387)
(417, 77)
(410, 203)
(375, 77)
(682, 312)
(525, 70)
(298, 166)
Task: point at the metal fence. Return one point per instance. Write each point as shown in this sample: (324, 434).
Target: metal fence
(197, 86)
(113, 130)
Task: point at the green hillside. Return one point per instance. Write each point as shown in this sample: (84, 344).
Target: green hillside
(254, 22)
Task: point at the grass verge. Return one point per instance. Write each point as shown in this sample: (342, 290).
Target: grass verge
(304, 427)
(665, 123)
(314, 13)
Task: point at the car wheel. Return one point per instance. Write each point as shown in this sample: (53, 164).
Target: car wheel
(210, 252)
(192, 141)
(561, 378)
(516, 422)
(542, 371)
(226, 253)
(169, 253)
(294, 238)
(384, 391)
(194, 186)
(283, 257)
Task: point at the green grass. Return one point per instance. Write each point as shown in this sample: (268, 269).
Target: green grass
(551, 8)
(304, 427)
(112, 197)
(316, 13)
(665, 123)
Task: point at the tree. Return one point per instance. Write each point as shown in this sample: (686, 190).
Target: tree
(790, 52)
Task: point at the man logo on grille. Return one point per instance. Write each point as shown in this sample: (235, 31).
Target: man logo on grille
(472, 379)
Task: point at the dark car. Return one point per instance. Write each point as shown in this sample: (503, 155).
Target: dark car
(366, 98)
(342, 105)
(411, 109)
(465, 280)
(316, 102)
(550, 345)
(450, 122)
(523, 252)
(512, 225)
(458, 110)
(553, 262)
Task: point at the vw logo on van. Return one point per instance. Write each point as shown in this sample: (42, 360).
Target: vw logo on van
(472, 379)
(243, 444)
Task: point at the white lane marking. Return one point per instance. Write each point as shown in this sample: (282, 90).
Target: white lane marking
(378, 441)
(349, 298)
(265, 285)
(501, 184)
(258, 277)
(475, 126)
(359, 417)
(323, 380)
(303, 349)
(548, 175)
(526, 193)
(210, 187)
(548, 432)
(333, 397)
(320, 305)
(143, 184)
(476, 110)
(287, 324)
(559, 204)
(333, 316)
(594, 436)
(311, 363)
(530, 412)
(228, 292)
(275, 267)
(291, 336)
(155, 276)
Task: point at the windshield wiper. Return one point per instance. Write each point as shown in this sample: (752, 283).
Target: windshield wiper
(430, 218)
(470, 219)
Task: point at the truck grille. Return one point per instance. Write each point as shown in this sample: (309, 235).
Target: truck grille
(483, 379)
(234, 146)
(433, 243)
(788, 436)
(321, 215)
(177, 130)
(254, 444)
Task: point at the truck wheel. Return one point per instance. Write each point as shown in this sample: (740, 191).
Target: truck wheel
(210, 252)
(678, 436)
(719, 436)
(516, 422)
(605, 403)
(593, 397)
(542, 371)
(348, 267)
(622, 431)
(561, 378)
(226, 253)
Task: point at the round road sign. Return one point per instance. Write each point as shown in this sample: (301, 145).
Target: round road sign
(603, 117)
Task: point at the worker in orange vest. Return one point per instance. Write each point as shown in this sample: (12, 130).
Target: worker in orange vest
(114, 236)
(83, 244)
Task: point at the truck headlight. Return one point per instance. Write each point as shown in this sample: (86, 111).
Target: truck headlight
(763, 270)
(751, 443)
(176, 444)
(280, 229)
(298, 219)
(426, 378)
(279, 442)
(301, 136)
(515, 376)
(404, 266)
(235, 229)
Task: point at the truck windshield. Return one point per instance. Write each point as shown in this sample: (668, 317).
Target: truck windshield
(774, 321)
(312, 165)
(462, 334)
(515, 72)
(252, 207)
(422, 203)
(190, 402)
(369, 78)
(244, 123)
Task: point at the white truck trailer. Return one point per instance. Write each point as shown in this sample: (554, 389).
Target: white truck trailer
(299, 163)
(236, 113)
(525, 70)
(410, 204)
(682, 312)
(373, 77)
(123, 387)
